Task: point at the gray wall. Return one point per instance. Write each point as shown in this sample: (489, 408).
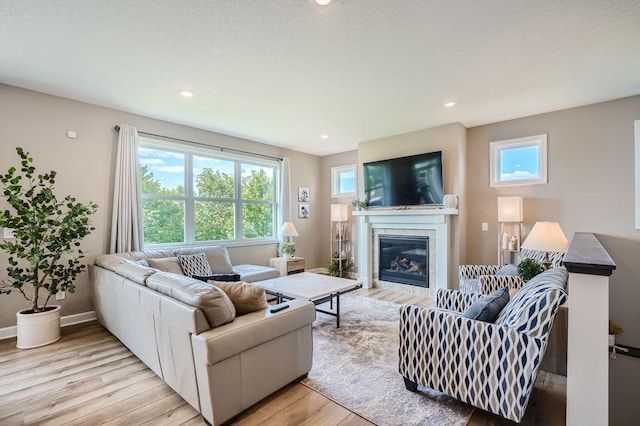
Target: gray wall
(590, 189)
(39, 123)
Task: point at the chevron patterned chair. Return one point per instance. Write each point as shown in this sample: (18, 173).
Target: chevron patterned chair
(492, 366)
(482, 279)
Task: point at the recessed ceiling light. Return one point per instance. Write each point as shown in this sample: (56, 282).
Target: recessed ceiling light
(186, 93)
(322, 2)
(325, 136)
(450, 104)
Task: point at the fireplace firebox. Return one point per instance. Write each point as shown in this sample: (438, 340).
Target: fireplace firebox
(404, 259)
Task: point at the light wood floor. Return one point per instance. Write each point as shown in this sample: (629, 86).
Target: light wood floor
(90, 378)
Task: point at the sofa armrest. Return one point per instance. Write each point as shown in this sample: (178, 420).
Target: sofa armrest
(491, 283)
(252, 329)
(455, 300)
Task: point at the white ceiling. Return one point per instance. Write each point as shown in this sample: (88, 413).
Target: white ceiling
(284, 72)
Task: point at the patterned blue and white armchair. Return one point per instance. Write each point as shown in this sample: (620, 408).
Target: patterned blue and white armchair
(482, 279)
(492, 366)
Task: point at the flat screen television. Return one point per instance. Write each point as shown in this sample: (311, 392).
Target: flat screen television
(405, 181)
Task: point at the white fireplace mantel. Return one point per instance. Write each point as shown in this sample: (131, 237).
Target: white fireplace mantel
(418, 219)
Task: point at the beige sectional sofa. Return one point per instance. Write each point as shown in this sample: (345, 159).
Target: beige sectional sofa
(179, 327)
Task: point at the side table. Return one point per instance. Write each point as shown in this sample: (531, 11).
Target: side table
(292, 265)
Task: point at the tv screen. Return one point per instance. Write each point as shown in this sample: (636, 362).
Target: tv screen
(405, 181)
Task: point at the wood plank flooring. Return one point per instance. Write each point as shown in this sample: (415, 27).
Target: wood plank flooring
(89, 378)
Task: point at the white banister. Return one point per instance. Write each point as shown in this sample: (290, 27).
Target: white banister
(589, 267)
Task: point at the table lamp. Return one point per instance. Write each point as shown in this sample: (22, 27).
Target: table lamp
(546, 237)
(288, 230)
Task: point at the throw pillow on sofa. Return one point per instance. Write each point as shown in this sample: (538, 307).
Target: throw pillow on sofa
(195, 264)
(219, 277)
(166, 264)
(245, 297)
(488, 307)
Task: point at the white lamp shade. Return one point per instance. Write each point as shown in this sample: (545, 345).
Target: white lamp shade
(546, 236)
(288, 230)
(509, 209)
(339, 212)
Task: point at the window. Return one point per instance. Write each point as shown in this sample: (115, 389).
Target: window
(193, 195)
(521, 161)
(343, 181)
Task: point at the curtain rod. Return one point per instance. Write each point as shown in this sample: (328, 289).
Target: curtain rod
(222, 149)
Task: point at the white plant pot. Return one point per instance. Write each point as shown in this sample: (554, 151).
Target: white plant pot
(286, 256)
(39, 329)
(612, 340)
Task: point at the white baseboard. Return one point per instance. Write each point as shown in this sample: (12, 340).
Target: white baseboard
(8, 332)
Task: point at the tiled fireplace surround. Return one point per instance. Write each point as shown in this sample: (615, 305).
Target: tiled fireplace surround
(433, 223)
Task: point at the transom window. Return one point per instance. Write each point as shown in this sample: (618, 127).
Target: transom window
(521, 161)
(194, 195)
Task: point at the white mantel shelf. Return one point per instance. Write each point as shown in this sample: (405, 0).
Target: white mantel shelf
(436, 219)
(405, 212)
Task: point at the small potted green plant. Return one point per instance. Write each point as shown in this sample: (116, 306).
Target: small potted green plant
(358, 205)
(334, 268)
(529, 268)
(287, 249)
(43, 254)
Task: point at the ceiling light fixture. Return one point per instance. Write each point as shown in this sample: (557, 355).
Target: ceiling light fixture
(325, 136)
(322, 2)
(450, 104)
(186, 93)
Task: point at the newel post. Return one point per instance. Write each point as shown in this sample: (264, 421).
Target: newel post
(589, 267)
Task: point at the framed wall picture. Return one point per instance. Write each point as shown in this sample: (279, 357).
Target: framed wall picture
(303, 210)
(636, 125)
(303, 194)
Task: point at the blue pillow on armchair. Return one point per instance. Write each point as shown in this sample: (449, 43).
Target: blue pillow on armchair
(488, 307)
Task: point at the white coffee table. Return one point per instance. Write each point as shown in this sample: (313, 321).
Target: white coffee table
(316, 288)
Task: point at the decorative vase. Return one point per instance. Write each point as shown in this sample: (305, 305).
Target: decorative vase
(612, 340)
(286, 255)
(450, 201)
(38, 329)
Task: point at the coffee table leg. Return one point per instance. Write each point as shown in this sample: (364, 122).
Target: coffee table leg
(338, 310)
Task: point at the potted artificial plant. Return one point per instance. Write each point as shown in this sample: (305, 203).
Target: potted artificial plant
(43, 254)
(529, 268)
(613, 330)
(287, 249)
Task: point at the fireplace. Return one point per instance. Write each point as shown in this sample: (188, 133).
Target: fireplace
(404, 259)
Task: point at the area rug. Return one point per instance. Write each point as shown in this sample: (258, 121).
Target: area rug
(356, 366)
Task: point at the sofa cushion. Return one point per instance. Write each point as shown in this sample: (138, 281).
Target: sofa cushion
(217, 256)
(167, 264)
(216, 305)
(531, 309)
(488, 308)
(195, 264)
(253, 273)
(246, 297)
(134, 271)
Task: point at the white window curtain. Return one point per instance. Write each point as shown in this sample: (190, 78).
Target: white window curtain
(285, 191)
(126, 221)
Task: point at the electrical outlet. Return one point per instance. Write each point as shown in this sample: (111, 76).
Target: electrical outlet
(485, 226)
(60, 295)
